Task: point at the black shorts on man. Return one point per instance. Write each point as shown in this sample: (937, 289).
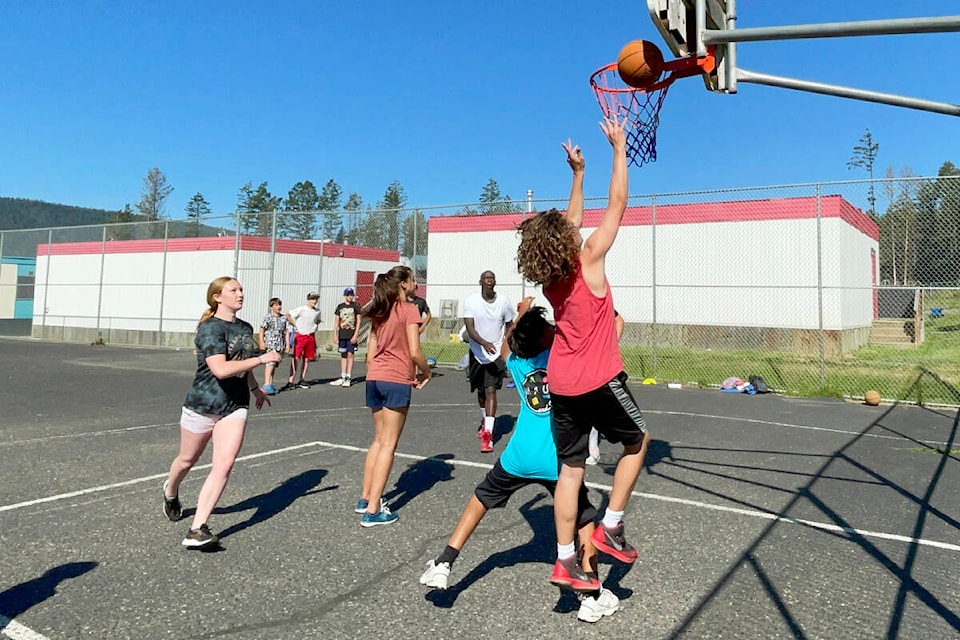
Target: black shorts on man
(485, 375)
(610, 409)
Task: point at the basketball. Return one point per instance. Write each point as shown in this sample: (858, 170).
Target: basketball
(640, 63)
(431, 361)
(872, 398)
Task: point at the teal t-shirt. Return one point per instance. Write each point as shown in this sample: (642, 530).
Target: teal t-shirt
(531, 452)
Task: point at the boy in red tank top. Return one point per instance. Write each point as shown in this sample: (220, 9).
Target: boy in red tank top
(587, 381)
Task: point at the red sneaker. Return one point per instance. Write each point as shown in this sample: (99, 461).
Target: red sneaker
(568, 574)
(486, 442)
(613, 542)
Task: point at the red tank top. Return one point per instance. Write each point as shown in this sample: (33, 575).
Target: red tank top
(585, 354)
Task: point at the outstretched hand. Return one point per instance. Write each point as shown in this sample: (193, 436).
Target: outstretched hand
(574, 156)
(614, 129)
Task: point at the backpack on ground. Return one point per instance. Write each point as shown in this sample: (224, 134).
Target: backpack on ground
(759, 384)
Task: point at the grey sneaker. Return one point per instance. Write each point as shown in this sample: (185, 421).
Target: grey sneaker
(200, 538)
(593, 608)
(171, 506)
(436, 575)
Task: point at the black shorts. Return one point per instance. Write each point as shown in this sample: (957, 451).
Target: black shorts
(610, 409)
(483, 376)
(495, 490)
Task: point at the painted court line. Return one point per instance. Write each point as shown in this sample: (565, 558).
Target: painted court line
(753, 513)
(16, 631)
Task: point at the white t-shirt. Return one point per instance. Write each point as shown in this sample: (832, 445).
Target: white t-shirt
(305, 319)
(490, 320)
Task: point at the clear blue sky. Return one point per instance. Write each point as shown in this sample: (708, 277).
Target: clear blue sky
(441, 96)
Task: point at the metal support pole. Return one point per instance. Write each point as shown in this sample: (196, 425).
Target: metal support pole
(939, 24)
(823, 374)
(730, 55)
(701, 18)
(46, 283)
(848, 92)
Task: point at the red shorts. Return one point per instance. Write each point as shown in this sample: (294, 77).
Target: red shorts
(305, 347)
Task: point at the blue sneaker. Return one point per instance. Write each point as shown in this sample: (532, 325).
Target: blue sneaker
(363, 504)
(384, 516)
(269, 389)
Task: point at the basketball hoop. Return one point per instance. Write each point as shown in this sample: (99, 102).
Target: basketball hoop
(641, 106)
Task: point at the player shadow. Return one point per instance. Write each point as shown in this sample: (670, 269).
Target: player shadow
(272, 502)
(503, 426)
(418, 478)
(540, 549)
(18, 599)
(657, 452)
(911, 593)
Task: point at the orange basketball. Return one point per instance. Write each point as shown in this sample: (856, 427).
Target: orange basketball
(640, 63)
(872, 398)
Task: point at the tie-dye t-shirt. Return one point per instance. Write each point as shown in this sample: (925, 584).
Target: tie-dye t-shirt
(208, 394)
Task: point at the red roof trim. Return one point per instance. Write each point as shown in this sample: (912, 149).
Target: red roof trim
(736, 211)
(218, 243)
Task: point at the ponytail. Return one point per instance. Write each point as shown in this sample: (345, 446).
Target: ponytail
(386, 293)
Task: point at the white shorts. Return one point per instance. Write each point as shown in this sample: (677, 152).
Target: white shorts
(203, 422)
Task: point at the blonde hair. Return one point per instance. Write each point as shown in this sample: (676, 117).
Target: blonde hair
(215, 288)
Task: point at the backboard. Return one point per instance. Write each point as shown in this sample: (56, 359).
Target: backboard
(682, 31)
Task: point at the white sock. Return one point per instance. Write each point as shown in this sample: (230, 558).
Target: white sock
(612, 518)
(488, 423)
(565, 551)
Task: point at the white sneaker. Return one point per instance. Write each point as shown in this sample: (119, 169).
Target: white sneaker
(436, 576)
(336, 383)
(346, 382)
(594, 608)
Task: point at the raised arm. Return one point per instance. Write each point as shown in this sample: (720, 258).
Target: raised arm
(575, 207)
(522, 308)
(600, 241)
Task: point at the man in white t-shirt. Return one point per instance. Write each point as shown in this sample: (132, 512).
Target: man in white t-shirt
(486, 316)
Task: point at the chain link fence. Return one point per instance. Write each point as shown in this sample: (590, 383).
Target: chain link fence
(821, 289)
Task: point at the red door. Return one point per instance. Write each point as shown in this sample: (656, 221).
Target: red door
(364, 286)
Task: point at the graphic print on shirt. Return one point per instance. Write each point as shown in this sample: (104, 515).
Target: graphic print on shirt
(348, 318)
(536, 391)
(241, 347)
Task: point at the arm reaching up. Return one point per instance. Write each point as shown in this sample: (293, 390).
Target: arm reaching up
(575, 207)
(600, 241)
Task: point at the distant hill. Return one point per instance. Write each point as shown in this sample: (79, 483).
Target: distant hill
(20, 213)
(24, 225)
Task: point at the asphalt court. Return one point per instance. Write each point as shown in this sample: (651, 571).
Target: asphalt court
(756, 516)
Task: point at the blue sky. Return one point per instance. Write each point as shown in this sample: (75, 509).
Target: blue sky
(441, 96)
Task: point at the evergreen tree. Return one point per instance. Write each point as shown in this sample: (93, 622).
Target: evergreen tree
(256, 208)
(329, 205)
(302, 197)
(864, 156)
(196, 209)
(352, 208)
(153, 194)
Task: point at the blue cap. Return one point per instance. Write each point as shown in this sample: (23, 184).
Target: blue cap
(348, 291)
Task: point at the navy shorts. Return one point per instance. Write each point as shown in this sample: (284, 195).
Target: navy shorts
(392, 395)
(611, 409)
(495, 490)
(345, 347)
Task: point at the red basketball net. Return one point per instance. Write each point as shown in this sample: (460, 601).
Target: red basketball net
(641, 107)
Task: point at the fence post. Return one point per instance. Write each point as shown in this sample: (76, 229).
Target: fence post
(653, 275)
(103, 255)
(523, 280)
(46, 282)
(163, 281)
(823, 373)
(236, 246)
(273, 251)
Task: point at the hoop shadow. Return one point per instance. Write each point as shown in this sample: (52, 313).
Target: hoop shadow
(419, 477)
(274, 501)
(18, 599)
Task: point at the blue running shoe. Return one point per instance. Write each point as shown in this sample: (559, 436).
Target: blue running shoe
(363, 504)
(384, 516)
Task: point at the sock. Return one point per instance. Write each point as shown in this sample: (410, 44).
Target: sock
(612, 518)
(488, 423)
(448, 555)
(566, 551)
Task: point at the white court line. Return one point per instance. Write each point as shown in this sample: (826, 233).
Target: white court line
(16, 631)
(753, 513)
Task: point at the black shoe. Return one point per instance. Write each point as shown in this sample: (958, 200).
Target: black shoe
(200, 538)
(288, 387)
(303, 384)
(171, 506)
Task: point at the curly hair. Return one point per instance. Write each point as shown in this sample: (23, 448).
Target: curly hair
(549, 248)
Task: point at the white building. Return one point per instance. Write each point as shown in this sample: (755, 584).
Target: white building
(746, 264)
(152, 292)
